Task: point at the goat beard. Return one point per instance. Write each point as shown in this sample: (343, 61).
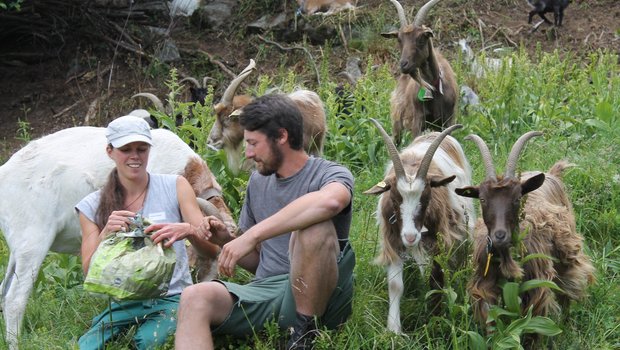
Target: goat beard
(508, 266)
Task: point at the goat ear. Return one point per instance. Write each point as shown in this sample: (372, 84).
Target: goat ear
(428, 32)
(389, 35)
(437, 181)
(532, 183)
(379, 188)
(469, 191)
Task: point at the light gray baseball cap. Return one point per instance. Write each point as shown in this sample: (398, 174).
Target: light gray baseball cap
(128, 129)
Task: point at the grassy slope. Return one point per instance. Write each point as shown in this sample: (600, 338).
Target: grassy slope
(574, 102)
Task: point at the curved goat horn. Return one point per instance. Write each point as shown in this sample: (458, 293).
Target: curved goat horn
(511, 163)
(191, 80)
(397, 163)
(156, 101)
(204, 81)
(229, 94)
(422, 12)
(401, 13)
(486, 155)
(207, 207)
(430, 152)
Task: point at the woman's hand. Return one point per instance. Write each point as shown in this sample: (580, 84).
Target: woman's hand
(169, 233)
(118, 220)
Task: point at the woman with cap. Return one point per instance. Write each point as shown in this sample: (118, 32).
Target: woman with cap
(166, 200)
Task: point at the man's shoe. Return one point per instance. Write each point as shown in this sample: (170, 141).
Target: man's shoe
(303, 333)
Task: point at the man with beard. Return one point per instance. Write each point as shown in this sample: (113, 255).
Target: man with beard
(293, 235)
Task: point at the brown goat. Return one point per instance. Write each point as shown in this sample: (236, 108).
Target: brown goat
(426, 93)
(546, 217)
(227, 132)
(418, 207)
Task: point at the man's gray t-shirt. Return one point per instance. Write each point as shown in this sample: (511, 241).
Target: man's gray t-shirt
(160, 205)
(268, 194)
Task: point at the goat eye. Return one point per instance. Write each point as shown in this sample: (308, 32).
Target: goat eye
(483, 201)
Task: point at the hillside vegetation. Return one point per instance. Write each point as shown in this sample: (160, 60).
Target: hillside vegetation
(572, 96)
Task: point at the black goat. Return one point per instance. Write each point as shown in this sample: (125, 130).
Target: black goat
(540, 7)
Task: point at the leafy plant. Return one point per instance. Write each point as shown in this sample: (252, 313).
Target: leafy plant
(11, 5)
(23, 130)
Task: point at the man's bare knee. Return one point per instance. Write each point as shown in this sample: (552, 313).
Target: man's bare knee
(319, 236)
(209, 299)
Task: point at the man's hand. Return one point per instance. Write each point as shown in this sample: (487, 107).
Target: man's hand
(233, 251)
(214, 230)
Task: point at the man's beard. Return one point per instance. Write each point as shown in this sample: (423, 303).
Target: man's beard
(273, 161)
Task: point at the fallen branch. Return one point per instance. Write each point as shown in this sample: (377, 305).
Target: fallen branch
(66, 110)
(122, 44)
(316, 71)
(93, 108)
(535, 27)
(212, 59)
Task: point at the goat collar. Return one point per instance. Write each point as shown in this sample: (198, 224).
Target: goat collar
(429, 88)
(437, 85)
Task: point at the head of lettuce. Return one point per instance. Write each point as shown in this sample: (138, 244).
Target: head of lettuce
(128, 266)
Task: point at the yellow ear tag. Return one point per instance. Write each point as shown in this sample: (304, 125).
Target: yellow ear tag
(486, 268)
(382, 184)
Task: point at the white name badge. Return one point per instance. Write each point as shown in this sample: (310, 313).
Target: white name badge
(157, 217)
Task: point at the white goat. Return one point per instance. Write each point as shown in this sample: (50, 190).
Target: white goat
(42, 182)
(417, 205)
(477, 68)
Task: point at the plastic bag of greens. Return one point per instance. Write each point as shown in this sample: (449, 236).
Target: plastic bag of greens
(127, 265)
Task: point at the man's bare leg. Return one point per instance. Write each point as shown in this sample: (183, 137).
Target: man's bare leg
(202, 305)
(314, 267)
(314, 276)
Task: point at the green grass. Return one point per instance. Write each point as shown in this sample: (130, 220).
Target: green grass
(575, 102)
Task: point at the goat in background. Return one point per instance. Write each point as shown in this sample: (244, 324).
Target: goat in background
(540, 7)
(547, 219)
(426, 94)
(418, 209)
(227, 133)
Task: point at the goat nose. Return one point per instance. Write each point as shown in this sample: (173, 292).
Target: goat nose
(404, 64)
(410, 239)
(500, 235)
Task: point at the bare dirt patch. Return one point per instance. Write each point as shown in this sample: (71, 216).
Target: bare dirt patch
(63, 74)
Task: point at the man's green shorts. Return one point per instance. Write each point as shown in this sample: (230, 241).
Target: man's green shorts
(270, 299)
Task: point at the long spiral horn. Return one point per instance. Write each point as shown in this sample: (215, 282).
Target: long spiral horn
(430, 152)
(511, 163)
(421, 15)
(397, 163)
(486, 155)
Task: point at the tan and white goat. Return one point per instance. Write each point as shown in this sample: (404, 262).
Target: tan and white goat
(418, 207)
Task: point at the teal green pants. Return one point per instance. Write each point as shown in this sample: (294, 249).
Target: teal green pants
(155, 319)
